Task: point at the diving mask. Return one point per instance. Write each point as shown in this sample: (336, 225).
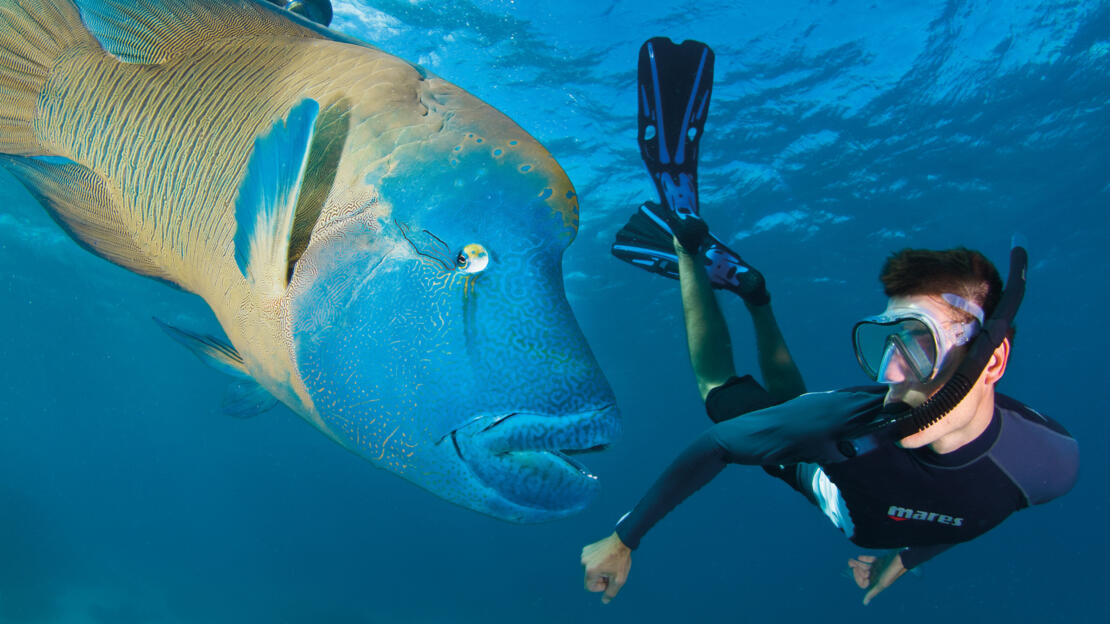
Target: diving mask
(911, 334)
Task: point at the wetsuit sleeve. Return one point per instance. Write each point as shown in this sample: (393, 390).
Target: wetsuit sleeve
(917, 555)
(1037, 453)
(697, 465)
(801, 430)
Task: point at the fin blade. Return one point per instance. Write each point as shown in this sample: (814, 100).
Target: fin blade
(644, 242)
(268, 197)
(151, 32)
(644, 226)
(647, 258)
(83, 204)
(244, 398)
(212, 351)
(675, 83)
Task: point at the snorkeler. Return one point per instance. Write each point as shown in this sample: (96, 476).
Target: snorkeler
(928, 458)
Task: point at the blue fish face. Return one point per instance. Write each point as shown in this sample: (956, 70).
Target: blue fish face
(433, 335)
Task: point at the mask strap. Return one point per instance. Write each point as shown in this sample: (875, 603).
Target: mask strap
(960, 303)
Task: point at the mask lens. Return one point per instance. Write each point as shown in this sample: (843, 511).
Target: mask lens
(920, 348)
(906, 342)
(870, 343)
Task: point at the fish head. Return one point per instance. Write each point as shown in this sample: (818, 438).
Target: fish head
(431, 330)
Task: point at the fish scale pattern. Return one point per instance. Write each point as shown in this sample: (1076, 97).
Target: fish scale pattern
(176, 169)
(183, 26)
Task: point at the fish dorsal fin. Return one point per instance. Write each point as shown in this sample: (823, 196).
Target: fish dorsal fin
(153, 31)
(268, 196)
(84, 205)
(212, 351)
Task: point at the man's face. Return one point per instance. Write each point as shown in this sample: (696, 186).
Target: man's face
(903, 386)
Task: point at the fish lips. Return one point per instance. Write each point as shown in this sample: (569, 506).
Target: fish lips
(525, 457)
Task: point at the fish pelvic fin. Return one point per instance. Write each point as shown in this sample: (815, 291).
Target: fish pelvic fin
(244, 398)
(84, 205)
(33, 35)
(214, 352)
(153, 31)
(268, 197)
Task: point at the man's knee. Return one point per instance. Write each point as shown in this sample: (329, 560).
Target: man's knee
(736, 396)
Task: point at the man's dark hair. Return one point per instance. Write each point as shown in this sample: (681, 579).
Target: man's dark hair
(959, 271)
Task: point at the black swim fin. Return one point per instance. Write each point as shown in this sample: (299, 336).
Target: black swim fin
(644, 242)
(647, 242)
(675, 84)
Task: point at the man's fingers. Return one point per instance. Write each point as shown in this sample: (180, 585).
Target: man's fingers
(871, 594)
(615, 586)
(596, 582)
(607, 563)
(887, 576)
(876, 573)
(861, 572)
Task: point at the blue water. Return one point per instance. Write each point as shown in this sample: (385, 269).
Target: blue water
(839, 132)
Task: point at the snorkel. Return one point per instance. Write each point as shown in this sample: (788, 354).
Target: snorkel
(900, 422)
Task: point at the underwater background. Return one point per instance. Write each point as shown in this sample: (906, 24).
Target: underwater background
(840, 131)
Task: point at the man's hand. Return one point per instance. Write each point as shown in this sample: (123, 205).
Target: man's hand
(876, 573)
(607, 563)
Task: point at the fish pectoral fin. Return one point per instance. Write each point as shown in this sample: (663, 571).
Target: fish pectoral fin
(86, 207)
(267, 200)
(244, 398)
(329, 136)
(212, 351)
(154, 31)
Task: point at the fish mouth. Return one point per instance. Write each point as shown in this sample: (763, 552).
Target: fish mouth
(530, 459)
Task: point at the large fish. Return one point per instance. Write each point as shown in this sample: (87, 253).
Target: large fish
(382, 249)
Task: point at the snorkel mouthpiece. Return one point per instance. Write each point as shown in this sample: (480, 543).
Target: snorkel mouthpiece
(895, 424)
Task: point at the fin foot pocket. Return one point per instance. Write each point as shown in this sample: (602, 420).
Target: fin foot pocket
(729, 272)
(646, 241)
(690, 230)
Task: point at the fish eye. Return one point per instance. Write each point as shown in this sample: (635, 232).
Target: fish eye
(472, 259)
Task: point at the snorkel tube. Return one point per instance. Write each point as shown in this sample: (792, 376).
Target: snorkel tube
(903, 423)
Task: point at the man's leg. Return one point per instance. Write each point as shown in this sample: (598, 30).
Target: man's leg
(710, 346)
(780, 373)
(706, 332)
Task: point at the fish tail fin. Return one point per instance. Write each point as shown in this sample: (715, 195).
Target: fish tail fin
(33, 35)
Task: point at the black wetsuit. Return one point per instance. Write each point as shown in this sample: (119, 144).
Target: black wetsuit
(895, 497)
